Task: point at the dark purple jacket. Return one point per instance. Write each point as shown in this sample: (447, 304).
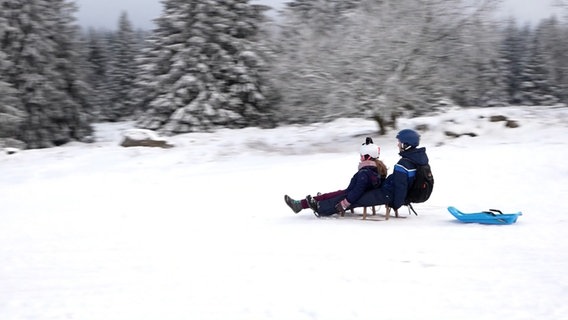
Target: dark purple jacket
(365, 179)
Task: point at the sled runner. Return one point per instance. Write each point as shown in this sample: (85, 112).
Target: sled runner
(359, 216)
(492, 216)
(374, 216)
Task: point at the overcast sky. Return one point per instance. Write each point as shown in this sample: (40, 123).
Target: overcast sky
(105, 13)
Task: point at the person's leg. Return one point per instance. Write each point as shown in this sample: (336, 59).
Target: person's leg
(371, 198)
(327, 207)
(293, 204)
(330, 195)
(324, 196)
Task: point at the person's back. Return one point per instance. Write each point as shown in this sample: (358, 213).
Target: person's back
(404, 172)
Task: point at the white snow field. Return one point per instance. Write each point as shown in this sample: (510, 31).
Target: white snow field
(200, 231)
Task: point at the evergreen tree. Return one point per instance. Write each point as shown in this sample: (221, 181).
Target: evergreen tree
(553, 45)
(203, 69)
(39, 43)
(97, 56)
(535, 86)
(511, 52)
(522, 70)
(11, 116)
(72, 83)
(123, 72)
(110, 69)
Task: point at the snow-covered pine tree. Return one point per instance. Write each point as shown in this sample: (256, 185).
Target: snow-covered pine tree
(11, 114)
(527, 71)
(123, 71)
(109, 73)
(552, 35)
(535, 86)
(513, 51)
(75, 124)
(205, 71)
(97, 58)
(39, 43)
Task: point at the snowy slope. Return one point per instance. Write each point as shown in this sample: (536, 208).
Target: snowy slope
(200, 231)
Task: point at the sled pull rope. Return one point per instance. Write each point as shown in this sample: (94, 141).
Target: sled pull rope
(492, 212)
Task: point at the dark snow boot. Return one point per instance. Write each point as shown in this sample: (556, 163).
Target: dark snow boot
(295, 205)
(313, 204)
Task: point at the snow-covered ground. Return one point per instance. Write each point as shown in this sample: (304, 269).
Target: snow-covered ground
(200, 231)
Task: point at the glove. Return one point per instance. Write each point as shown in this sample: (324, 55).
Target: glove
(342, 205)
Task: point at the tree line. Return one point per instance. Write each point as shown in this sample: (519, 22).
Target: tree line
(225, 63)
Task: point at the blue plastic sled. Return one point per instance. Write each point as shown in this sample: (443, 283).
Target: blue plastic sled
(492, 216)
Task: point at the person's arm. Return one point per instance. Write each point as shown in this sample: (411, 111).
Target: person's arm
(400, 178)
(359, 185)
